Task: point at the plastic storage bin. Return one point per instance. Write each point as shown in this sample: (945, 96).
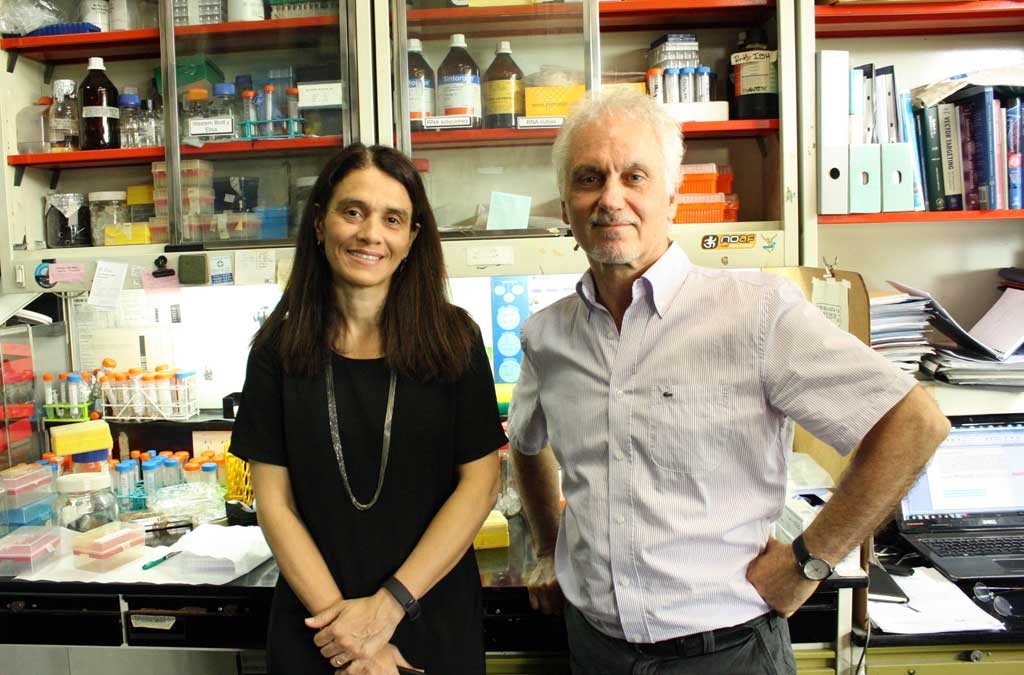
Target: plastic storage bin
(232, 225)
(28, 549)
(700, 208)
(26, 484)
(159, 231)
(38, 513)
(194, 173)
(195, 201)
(699, 178)
(106, 209)
(108, 547)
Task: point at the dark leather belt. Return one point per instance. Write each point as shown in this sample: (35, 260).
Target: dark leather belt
(703, 643)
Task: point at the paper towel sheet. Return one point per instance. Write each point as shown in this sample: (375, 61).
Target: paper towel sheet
(211, 554)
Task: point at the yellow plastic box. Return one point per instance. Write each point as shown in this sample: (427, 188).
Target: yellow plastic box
(140, 194)
(123, 235)
(552, 101)
(80, 437)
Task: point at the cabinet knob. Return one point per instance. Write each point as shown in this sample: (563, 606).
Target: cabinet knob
(974, 656)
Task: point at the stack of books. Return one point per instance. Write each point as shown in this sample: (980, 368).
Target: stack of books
(990, 353)
(898, 323)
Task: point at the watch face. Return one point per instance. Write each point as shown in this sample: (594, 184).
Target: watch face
(816, 570)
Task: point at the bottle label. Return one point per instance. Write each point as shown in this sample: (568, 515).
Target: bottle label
(460, 94)
(504, 97)
(211, 126)
(421, 98)
(755, 72)
(58, 124)
(101, 111)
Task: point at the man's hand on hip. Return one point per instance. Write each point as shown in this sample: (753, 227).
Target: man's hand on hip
(545, 593)
(778, 580)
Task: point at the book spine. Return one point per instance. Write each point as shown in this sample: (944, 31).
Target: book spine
(1013, 158)
(933, 159)
(908, 130)
(951, 175)
(985, 149)
(969, 158)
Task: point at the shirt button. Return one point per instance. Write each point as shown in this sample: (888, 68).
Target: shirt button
(619, 520)
(627, 583)
(610, 335)
(618, 456)
(619, 393)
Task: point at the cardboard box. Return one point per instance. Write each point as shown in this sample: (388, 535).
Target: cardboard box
(552, 101)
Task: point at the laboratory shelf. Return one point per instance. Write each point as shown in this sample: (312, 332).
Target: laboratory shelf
(145, 43)
(485, 138)
(548, 18)
(919, 217)
(921, 18)
(543, 19)
(78, 47)
(85, 159)
(662, 14)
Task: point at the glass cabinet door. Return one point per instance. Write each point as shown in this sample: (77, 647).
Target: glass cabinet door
(257, 103)
(482, 88)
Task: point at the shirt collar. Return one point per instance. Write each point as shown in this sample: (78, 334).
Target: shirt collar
(661, 281)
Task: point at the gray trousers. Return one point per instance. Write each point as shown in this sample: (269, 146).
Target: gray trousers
(762, 649)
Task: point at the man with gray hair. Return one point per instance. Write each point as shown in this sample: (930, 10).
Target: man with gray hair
(667, 394)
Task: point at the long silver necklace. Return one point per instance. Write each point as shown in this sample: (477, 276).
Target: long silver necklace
(332, 416)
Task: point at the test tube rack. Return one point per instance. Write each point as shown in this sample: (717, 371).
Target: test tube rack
(134, 404)
(250, 127)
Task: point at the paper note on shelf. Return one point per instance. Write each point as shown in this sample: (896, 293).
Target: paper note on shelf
(106, 284)
(508, 211)
(936, 605)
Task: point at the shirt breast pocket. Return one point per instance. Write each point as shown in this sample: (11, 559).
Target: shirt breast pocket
(689, 428)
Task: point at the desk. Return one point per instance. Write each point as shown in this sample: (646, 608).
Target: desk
(980, 652)
(233, 616)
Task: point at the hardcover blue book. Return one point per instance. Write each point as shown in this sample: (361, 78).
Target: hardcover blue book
(1013, 168)
(983, 125)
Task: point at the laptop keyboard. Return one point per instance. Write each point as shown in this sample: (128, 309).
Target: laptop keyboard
(963, 547)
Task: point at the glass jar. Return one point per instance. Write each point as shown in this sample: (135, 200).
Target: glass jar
(67, 220)
(106, 209)
(85, 501)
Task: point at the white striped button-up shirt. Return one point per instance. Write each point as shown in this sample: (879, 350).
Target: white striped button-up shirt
(673, 435)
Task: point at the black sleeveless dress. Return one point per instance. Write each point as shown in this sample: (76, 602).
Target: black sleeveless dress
(436, 427)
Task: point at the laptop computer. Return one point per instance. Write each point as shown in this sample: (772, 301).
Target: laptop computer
(965, 512)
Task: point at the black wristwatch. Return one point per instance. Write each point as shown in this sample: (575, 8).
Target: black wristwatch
(409, 604)
(812, 568)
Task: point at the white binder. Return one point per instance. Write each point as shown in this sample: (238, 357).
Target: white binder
(833, 81)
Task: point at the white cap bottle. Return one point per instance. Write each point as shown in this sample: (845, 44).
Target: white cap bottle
(96, 63)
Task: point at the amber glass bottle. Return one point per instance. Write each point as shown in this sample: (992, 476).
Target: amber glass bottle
(99, 116)
(504, 95)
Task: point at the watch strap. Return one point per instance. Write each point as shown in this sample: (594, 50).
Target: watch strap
(409, 604)
(800, 551)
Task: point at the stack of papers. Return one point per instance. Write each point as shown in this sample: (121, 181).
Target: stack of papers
(987, 354)
(898, 323)
(936, 605)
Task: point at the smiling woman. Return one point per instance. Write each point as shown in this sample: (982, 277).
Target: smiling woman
(370, 421)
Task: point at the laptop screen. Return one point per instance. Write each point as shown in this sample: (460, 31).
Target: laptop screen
(975, 479)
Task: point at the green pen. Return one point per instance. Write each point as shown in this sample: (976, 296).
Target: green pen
(154, 563)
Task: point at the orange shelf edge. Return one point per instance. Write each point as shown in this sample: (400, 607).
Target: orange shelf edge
(922, 18)
(463, 138)
(83, 159)
(919, 217)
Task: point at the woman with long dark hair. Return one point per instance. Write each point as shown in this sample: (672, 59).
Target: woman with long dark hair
(369, 418)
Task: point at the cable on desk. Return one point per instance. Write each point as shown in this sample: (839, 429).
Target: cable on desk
(864, 652)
